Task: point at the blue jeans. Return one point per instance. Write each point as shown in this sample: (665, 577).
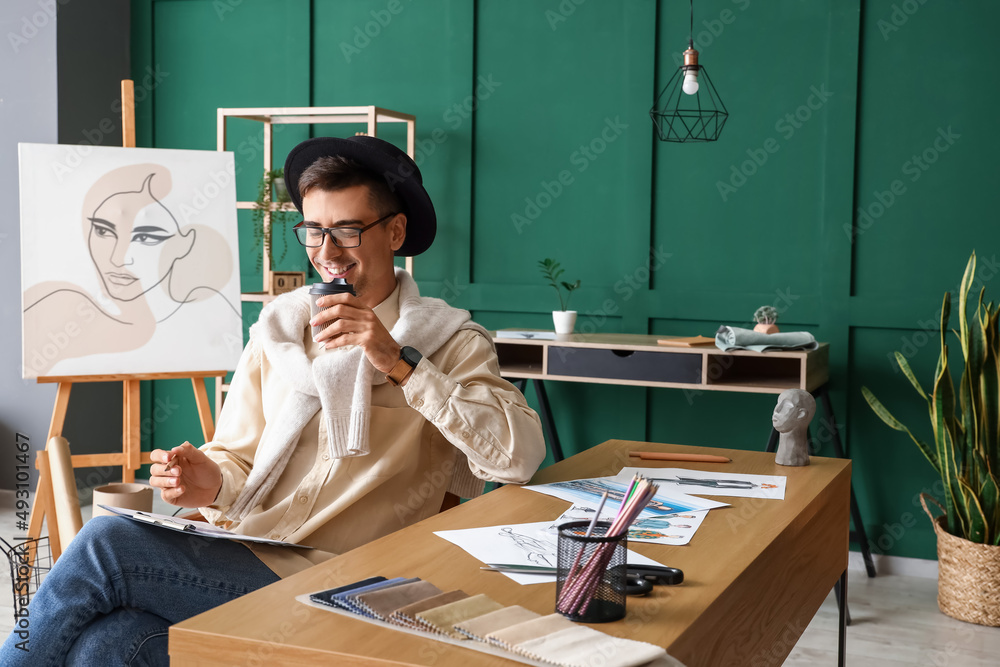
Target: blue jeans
(114, 592)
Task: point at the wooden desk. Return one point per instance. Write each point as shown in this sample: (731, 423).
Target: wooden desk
(755, 574)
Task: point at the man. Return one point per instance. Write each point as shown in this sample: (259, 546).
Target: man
(328, 442)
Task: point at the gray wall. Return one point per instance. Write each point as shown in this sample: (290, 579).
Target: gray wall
(27, 114)
(58, 82)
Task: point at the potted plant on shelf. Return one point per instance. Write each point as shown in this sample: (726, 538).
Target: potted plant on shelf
(564, 320)
(966, 453)
(766, 318)
(270, 189)
(280, 189)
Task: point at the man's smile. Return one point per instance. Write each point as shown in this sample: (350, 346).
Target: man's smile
(337, 271)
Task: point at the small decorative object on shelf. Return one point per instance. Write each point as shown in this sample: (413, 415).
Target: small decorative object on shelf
(280, 189)
(287, 281)
(564, 320)
(766, 318)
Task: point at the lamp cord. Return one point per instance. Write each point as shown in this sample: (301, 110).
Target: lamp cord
(691, 33)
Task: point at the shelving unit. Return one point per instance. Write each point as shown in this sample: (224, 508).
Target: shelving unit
(637, 360)
(372, 116)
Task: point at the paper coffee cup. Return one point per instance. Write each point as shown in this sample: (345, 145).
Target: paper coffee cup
(130, 496)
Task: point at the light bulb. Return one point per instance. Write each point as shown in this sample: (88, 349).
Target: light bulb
(690, 85)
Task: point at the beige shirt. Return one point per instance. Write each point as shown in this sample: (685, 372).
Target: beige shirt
(455, 423)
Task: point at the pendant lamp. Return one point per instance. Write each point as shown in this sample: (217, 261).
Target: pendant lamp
(689, 108)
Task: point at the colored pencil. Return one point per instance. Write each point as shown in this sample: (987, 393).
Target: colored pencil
(670, 456)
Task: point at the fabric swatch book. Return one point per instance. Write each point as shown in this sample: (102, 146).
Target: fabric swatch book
(480, 623)
(199, 528)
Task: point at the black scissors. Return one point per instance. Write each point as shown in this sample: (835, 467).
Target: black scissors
(639, 579)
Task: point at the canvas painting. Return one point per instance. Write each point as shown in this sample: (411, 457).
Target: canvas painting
(129, 261)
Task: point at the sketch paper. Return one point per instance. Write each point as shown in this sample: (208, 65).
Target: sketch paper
(526, 335)
(677, 529)
(588, 492)
(712, 483)
(518, 544)
(129, 261)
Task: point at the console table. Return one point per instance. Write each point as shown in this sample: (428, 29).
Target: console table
(640, 360)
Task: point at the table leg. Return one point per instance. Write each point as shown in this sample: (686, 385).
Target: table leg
(841, 601)
(772, 441)
(859, 534)
(547, 422)
(842, 629)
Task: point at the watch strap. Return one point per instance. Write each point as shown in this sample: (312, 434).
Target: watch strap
(408, 360)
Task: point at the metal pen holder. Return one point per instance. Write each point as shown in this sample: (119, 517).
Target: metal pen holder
(591, 573)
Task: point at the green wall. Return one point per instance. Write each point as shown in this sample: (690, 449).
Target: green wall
(512, 95)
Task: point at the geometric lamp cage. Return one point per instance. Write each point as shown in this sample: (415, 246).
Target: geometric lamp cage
(689, 118)
(681, 112)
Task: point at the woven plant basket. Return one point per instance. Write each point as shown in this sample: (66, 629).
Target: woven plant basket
(968, 574)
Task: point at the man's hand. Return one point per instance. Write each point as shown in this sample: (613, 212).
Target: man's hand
(192, 480)
(350, 322)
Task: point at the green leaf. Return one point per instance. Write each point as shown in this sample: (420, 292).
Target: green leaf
(957, 520)
(977, 530)
(963, 297)
(990, 382)
(943, 421)
(904, 366)
(893, 423)
(990, 493)
(945, 315)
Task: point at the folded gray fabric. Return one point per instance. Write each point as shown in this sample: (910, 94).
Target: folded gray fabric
(734, 338)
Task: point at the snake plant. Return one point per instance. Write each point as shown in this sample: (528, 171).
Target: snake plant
(966, 449)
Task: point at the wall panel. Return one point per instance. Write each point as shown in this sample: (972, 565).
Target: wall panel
(562, 149)
(928, 124)
(416, 58)
(665, 237)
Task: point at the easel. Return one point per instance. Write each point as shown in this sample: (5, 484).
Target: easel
(130, 458)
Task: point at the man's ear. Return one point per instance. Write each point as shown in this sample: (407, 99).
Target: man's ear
(397, 231)
(801, 413)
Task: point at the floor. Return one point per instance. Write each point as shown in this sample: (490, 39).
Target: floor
(895, 619)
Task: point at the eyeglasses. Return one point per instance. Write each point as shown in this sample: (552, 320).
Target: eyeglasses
(312, 236)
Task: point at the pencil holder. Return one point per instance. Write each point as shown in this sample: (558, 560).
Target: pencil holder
(591, 573)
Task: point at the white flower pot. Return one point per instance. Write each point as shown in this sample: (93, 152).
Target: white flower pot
(564, 321)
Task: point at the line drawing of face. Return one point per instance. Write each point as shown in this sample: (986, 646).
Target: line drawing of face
(134, 240)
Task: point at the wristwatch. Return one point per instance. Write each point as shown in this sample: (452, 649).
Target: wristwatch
(408, 360)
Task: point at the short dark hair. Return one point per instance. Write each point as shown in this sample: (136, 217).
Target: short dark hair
(334, 172)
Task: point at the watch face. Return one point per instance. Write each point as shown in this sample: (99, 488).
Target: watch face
(410, 356)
